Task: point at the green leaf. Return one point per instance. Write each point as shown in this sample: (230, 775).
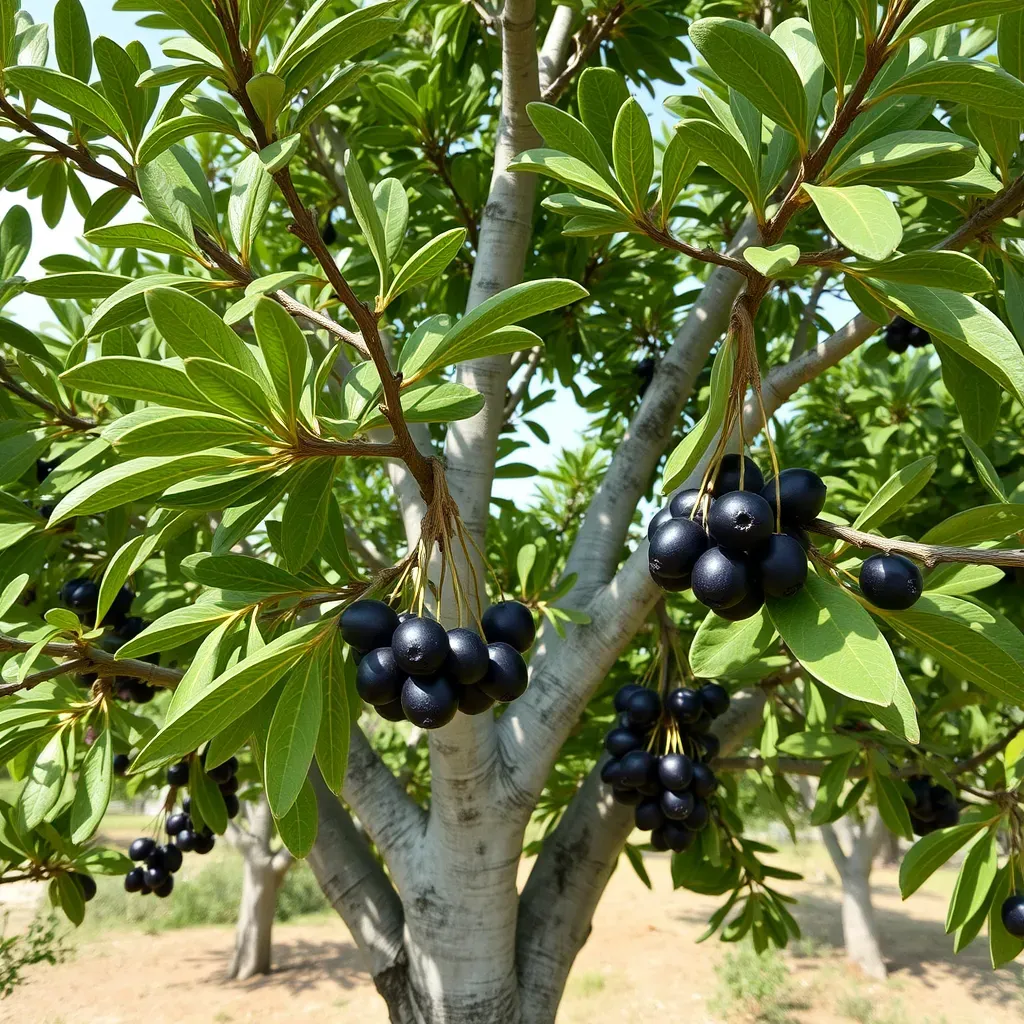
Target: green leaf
(927, 855)
(335, 90)
(861, 217)
(230, 389)
(199, 21)
(977, 83)
(12, 592)
(368, 218)
(293, 734)
(392, 206)
(233, 693)
(72, 43)
(818, 745)
(904, 485)
(968, 639)
(563, 132)
(268, 94)
(279, 154)
(247, 575)
(1011, 43)
(978, 397)
(305, 512)
(756, 66)
(569, 171)
(940, 269)
(207, 800)
(687, 454)
(285, 354)
(936, 13)
(67, 94)
(175, 192)
(977, 873)
(132, 377)
(962, 579)
(70, 898)
(600, 95)
(837, 641)
(723, 153)
(43, 784)
(1003, 947)
(427, 263)
(720, 646)
(677, 166)
(95, 784)
(151, 237)
(830, 789)
(299, 826)
(157, 431)
(334, 737)
(835, 32)
(118, 73)
(633, 154)
(138, 478)
(986, 471)
(775, 261)
(167, 133)
(974, 525)
(892, 807)
(906, 157)
(118, 570)
(15, 240)
(251, 189)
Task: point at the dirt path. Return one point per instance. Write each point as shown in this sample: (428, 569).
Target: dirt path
(641, 960)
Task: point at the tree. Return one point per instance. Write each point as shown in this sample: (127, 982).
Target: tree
(276, 347)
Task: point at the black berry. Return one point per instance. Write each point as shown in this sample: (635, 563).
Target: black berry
(391, 712)
(715, 699)
(698, 818)
(141, 848)
(186, 840)
(177, 774)
(746, 606)
(172, 857)
(223, 771)
(678, 836)
(720, 580)
(231, 804)
(202, 844)
(229, 787)
(177, 823)
(378, 677)
(121, 763)
(467, 660)
(728, 478)
(119, 607)
(677, 806)
(629, 797)
(675, 772)
(684, 705)
(890, 581)
(668, 584)
(510, 622)
(507, 675)
(675, 548)
(622, 695)
(802, 494)
(704, 782)
(86, 883)
(620, 742)
(648, 815)
(683, 504)
(368, 624)
(473, 700)
(1012, 913)
(134, 880)
(80, 594)
(741, 520)
(611, 772)
(658, 519)
(420, 646)
(430, 703)
(156, 874)
(644, 707)
(782, 565)
(165, 888)
(637, 767)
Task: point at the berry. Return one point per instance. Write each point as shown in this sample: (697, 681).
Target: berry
(121, 763)
(119, 607)
(720, 580)
(44, 467)
(86, 883)
(657, 520)
(698, 818)
(711, 744)
(232, 805)
(611, 772)
(156, 874)
(1012, 914)
(648, 815)
(799, 534)
(420, 646)
(677, 806)
(368, 624)
(803, 496)
(129, 629)
(676, 547)
(507, 675)
(629, 797)
(684, 503)
(728, 478)
(140, 692)
(919, 337)
(177, 774)
(186, 805)
(703, 724)
(391, 712)
(80, 594)
(675, 772)
(745, 607)
(741, 520)
(684, 705)
(645, 371)
(669, 585)
(890, 581)
(223, 771)
(141, 848)
(202, 844)
(229, 787)
(658, 840)
(510, 622)
(947, 811)
(467, 661)
(622, 695)
(921, 788)
(134, 880)
(704, 782)
(620, 742)
(186, 840)
(637, 767)
(430, 703)
(165, 888)
(644, 707)
(378, 677)
(782, 565)
(715, 699)
(473, 700)
(678, 836)
(172, 857)
(177, 823)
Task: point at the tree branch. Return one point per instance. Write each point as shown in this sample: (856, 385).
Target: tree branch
(810, 311)
(68, 419)
(533, 361)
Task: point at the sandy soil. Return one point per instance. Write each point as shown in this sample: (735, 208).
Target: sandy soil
(641, 960)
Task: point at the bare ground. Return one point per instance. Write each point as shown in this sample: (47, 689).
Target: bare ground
(641, 960)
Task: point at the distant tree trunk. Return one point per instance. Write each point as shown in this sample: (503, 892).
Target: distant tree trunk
(890, 854)
(262, 874)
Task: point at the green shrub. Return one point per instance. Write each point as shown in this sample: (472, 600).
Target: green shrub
(753, 984)
(300, 894)
(41, 943)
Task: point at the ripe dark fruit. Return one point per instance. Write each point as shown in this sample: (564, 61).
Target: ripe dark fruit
(921, 787)
(620, 742)
(156, 874)
(747, 606)
(232, 805)
(80, 594)
(392, 712)
(719, 580)
(803, 496)
(669, 585)
(186, 840)
(741, 520)
(629, 797)
(644, 707)
(658, 840)
(728, 478)
(510, 622)
(715, 699)
(704, 782)
(783, 566)
(677, 806)
(172, 857)
(177, 774)
(507, 675)
(420, 646)
(1012, 914)
(378, 677)
(890, 581)
(947, 811)
(611, 773)
(467, 660)
(165, 888)
(229, 787)
(141, 848)
(684, 705)
(473, 700)
(121, 763)
(86, 883)
(134, 880)
(202, 844)
(430, 703)
(119, 607)
(659, 519)
(676, 547)
(178, 822)
(223, 771)
(141, 693)
(711, 744)
(678, 836)
(648, 815)
(684, 503)
(698, 818)
(637, 767)
(366, 625)
(675, 772)
(622, 695)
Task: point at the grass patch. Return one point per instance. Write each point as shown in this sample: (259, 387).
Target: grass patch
(754, 987)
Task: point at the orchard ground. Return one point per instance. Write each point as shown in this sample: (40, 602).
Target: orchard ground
(641, 960)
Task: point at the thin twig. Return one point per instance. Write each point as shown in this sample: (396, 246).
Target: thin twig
(68, 419)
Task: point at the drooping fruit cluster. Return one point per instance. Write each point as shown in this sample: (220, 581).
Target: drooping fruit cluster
(82, 594)
(1012, 914)
(156, 864)
(902, 334)
(933, 806)
(891, 582)
(410, 667)
(659, 754)
(724, 543)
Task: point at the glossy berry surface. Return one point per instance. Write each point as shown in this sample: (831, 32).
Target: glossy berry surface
(473, 700)
(509, 622)
(676, 547)
(750, 604)
(637, 767)
(430, 703)
(648, 815)
(699, 817)
(231, 804)
(134, 880)
(165, 888)
(392, 712)
(186, 840)
(719, 580)
(121, 763)
(802, 493)
(467, 660)
(420, 646)
(156, 874)
(677, 806)
(715, 699)
(891, 582)
(202, 844)
(230, 786)
(620, 742)
(172, 857)
(657, 520)
(782, 566)
(80, 594)
(378, 677)
(119, 607)
(678, 836)
(629, 797)
(611, 772)
(141, 848)
(741, 520)
(675, 772)
(1012, 915)
(507, 675)
(668, 584)
(644, 708)
(86, 883)
(684, 705)
(683, 504)
(177, 822)
(728, 478)
(223, 771)
(177, 774)
(368, 624)
(704, 782)
(621, 700)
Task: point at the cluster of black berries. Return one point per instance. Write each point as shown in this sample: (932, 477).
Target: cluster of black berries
(156, 865)
(411, 668)
(902, 334)
(670, 790)
(225, 775)
(1012, 913)
(644, 371)
(724, 544)
(933, 807)
(890, 581)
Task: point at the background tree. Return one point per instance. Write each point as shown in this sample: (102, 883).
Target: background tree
(287, 306)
